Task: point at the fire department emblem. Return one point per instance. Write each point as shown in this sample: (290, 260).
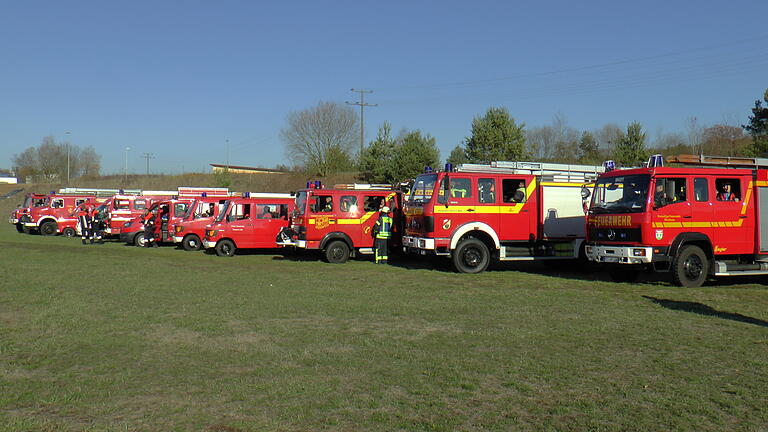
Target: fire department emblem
(322, 222)
(659, 234)
(446, 224)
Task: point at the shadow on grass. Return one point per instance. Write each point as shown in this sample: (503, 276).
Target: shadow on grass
(702, 309)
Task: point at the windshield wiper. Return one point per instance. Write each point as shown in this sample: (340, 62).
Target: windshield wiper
(619, 209)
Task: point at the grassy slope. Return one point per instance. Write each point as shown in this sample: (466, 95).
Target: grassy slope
(115, 337)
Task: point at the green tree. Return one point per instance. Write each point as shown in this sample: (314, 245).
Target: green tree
(458, 155)
(413, 152)
(588, 151)
(630, 149)
(495, 136)
(758, 127)
(376, 160)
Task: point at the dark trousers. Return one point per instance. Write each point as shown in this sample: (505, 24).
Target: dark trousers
(380, 245)
(86, 230)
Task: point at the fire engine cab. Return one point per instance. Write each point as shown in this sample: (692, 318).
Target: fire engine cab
(251, 222)
(190, 231)
(338, 221)
(699, 220)
(126, 206)
(30, 201)
(507, 211)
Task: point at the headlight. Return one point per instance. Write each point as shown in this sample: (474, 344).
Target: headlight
(179, 229)
(210, 233)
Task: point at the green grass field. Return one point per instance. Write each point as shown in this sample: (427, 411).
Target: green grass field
(119, 338)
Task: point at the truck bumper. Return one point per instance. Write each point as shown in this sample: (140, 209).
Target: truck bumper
(13, 221)
(177, 239)
(619, 254)
(209, 244)
(30, 224)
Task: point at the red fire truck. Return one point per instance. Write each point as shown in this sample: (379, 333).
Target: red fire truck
(124, 207)
(58, 209)
(30, 201)
(190, 231)
(507, 211)
(172, 211)
(338, 221)
(699, 220)
(248, 223)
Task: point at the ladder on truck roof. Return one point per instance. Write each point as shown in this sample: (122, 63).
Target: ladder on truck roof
(363, 186)
(97, 192)
(718, 161)
(548, 171)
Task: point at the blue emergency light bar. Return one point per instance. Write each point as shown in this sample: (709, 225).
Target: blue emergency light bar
(427, 169)
(448, 167)
(247, 194)
(656, 160)
(609, 165)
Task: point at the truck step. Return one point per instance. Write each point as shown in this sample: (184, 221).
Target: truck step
(723, 268)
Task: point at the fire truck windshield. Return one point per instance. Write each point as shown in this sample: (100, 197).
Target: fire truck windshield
(621, 194)
(301, 201)
(423, 187)
(224, 211)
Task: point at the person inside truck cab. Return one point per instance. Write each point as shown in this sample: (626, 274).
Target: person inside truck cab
(210, 211)
(726, 194)
(265, 214)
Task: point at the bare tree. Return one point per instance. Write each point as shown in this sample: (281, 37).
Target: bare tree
(694, 131)
(50, 161)
(89, 162)
(321, 138)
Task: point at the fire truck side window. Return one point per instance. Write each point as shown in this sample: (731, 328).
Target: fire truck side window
(348, 204)
(78, 202)
(323, 204)
(486, 190)
(461, 187)
(700, 189)
(179, 209)
(513, 190)
(728, 189)
(669, 191)
(57, 203)
(373, 203)
(243, 212)
(140, 204)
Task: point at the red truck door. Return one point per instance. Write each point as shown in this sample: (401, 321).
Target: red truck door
(267, 223)
(671, 212)
(733, 225)
(518, 207)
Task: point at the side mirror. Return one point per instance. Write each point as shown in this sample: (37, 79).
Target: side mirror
(585, 193)
(230, 217)
(447, 190)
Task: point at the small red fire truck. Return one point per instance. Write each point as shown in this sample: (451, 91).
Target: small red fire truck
(58, 209)
(693, 222)
(170, 212)
(190, 231)
(338, 221)
(507, 211)
(30, 201)
(125, 207)
(250, 222)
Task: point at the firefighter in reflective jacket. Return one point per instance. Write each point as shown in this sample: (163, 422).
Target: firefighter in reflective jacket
(97, 226)
(382, 231)
(149, 229)
(84, 218)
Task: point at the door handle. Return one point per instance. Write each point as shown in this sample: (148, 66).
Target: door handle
(687, 217)
(742, 217)
(470, 210)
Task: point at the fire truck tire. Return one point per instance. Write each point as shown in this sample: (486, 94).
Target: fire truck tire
(138, 239)
(26, 230)
(68, 232)
(690, 267)
(225, 248)
(19, 227)
(471, 256)
(337, 252)
(48, 228)
(191, 242)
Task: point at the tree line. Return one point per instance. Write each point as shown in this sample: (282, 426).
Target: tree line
(321, 141)
(49, 162)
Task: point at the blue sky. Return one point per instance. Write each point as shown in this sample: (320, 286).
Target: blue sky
(178, 79)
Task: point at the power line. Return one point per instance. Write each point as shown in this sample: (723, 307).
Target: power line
(148, 156)
(362, 105)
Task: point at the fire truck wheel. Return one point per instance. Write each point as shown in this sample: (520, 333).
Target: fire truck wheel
(19, 227)
(225, 248)
(138, 239)
(191, 242)
(48, 228)
(471, 256)
(690, 267)
(337, 252)
(68, 232)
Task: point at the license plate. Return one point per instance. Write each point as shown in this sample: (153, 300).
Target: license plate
(611, 259)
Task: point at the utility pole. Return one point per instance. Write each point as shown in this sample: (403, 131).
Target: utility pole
(362, 105)
(125, 169)
(148, 156)
(227, 155)
(67, 133)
